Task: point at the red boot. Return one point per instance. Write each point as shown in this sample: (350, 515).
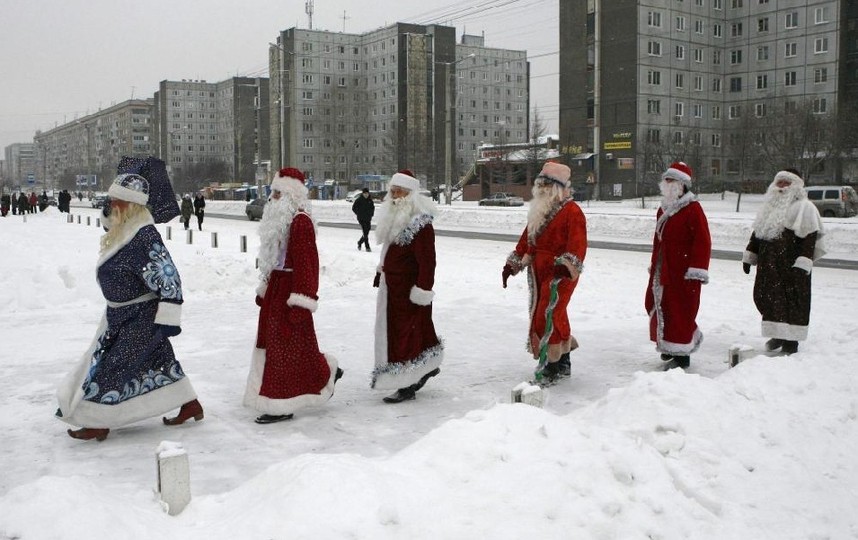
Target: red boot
(86, 434)
(189, 409)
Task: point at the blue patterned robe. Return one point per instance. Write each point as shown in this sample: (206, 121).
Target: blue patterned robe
(126, 375)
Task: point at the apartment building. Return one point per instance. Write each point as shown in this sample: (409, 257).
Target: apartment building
(213, 131)
(724, 85)
(403, 96)
(19, 166)
(93, 144)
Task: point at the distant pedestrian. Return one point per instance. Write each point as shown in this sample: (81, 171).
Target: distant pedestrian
(679, 266)
(199, 210)
(33, 201)
(787, 238)
(187, 209)
(13, 201)
(364, 209)
(5, 203)
(23, 205)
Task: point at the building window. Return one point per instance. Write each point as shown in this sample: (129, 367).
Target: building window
(698, 56)
(735, 4)
(790, 107)
(680, 52)
(654, 48)
(820, 75)
(716, 58)
(762, 82)
(698, 110)
(716, 112)
(716, 30)
(680, 80)
(759, 110)
(736, 57)
(698, 3)
(791, 20)
(736, 29)
(735, 84)
(790, 78)
(820, 106)
(820, 15)
(698, 26)
(716, 84)
(762, 53)
(653, 77)
(716, 140)
(654, 19)
(698, 83)
(735, 111)
(678, 108)
(763, 24)
(677, 137)
(653, 106)
(790, 50)
(820, 45)
(680, 24)
(653, 135)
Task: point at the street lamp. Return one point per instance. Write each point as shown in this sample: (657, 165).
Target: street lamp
(281, 71)
(448, 143)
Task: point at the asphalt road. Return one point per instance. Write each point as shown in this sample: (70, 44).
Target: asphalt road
(596, 244)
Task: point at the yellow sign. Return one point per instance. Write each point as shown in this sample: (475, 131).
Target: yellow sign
(621, 145)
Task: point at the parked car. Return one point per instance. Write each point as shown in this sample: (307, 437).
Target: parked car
(834, 201)
(502, 199)
(98, 201)
(353, 195)
(254, 208)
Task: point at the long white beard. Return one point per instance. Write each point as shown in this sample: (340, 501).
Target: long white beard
(670, 192)
(543, 201)
(772, 217)
(396, 214)
(274, 233)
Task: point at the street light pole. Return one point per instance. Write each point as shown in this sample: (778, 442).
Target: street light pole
(448, 146)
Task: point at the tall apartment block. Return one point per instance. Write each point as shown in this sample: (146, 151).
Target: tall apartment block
(93, 144)
(404, 96)
(220, 129)
(716, 83)
(19, 166)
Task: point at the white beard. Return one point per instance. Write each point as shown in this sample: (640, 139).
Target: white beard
(772, 217)
(670, 192)
(543, 201)
(274, 233)
(396, 214)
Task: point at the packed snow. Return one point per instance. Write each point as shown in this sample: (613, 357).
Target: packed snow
(620, 450)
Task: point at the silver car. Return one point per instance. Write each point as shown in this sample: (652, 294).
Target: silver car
(502, 199)
(834, 201)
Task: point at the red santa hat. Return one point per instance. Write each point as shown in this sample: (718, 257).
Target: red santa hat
(679, 171)
(284, 178)
(405, 179)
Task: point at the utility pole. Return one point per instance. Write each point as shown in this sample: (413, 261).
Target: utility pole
(344, 21)
(597, 96)
(448, 143)
(308, 9)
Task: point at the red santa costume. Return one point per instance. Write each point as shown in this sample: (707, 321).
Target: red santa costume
(288, 372)
(553, 244)
(407, 350)
(679, 265)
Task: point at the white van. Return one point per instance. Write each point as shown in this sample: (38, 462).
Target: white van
(834, 201)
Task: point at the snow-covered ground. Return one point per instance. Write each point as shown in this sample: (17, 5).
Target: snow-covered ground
(621, 450)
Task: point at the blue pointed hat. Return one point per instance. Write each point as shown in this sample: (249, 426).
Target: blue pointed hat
(161, 198)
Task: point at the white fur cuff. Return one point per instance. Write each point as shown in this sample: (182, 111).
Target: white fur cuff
(420, 296)
(304, 301)
(697, 273)
(749, 258)
(804, 263)
(261, 289)
(169, 313)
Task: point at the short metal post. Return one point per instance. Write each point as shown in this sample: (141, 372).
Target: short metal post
(189, 236)
(214, 239)
(87, 221)
(98, 222)
(78, 219)
(169, 233)
(243, 243)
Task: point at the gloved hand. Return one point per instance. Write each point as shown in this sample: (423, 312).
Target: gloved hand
(297, 315)
(165, 331)
(258, 300)
(377, 281)
(561, 272)
(505, 273)
(746, 268)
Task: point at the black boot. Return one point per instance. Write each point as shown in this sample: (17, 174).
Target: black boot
(272, 418)
(774, 344)
(419, 384)
(789, 347)
(678, 362)
(666, 357)
(359, 243)
(551, 371)
(564, 366)
(403, 394)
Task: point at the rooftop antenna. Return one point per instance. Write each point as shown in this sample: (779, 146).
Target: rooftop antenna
(308, 9)
(344, 21)
(132, 91)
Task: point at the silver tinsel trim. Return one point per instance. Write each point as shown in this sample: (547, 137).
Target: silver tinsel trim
(533, 235)
(514, 262)
(573, 259)
(403, 369)
(407, 235)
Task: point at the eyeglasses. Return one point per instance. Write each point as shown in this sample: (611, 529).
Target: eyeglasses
(544, 181)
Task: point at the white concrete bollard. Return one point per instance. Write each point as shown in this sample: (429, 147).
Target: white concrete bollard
(189, 236)
(174, 477)
(243, 243)
(78, 219)
(169, 233)
(25, 218)
(739, 352)
(214, 239)
(528, 394)
(87, 221)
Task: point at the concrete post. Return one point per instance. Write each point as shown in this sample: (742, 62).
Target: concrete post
(214, 239)
(189, 236)
(87, 221)
(169, 233)
(174, 477)
(243, 243)
(528, 394)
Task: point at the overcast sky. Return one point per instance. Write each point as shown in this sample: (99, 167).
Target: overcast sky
(63, 59)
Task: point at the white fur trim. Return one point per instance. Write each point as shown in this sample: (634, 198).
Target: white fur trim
(266, 405)
(302, 301)
(790, 177)
(421, 297)
(261, 289)
(169, 313)
(676, 174)
(669, 347)
(804, 263)
(697, 273)
(131, 230)
(749, 257)
(780, 330)
(124, 194)
(396, 375)
(404, 181)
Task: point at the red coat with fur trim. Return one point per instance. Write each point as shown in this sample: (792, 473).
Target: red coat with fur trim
(679, 266)
(562, 234)
(289, 372)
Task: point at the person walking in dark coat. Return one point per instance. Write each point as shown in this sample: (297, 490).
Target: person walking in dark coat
(23, 205)
(364, 209)
(199, 210)
(187, 209)
(5, 203)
